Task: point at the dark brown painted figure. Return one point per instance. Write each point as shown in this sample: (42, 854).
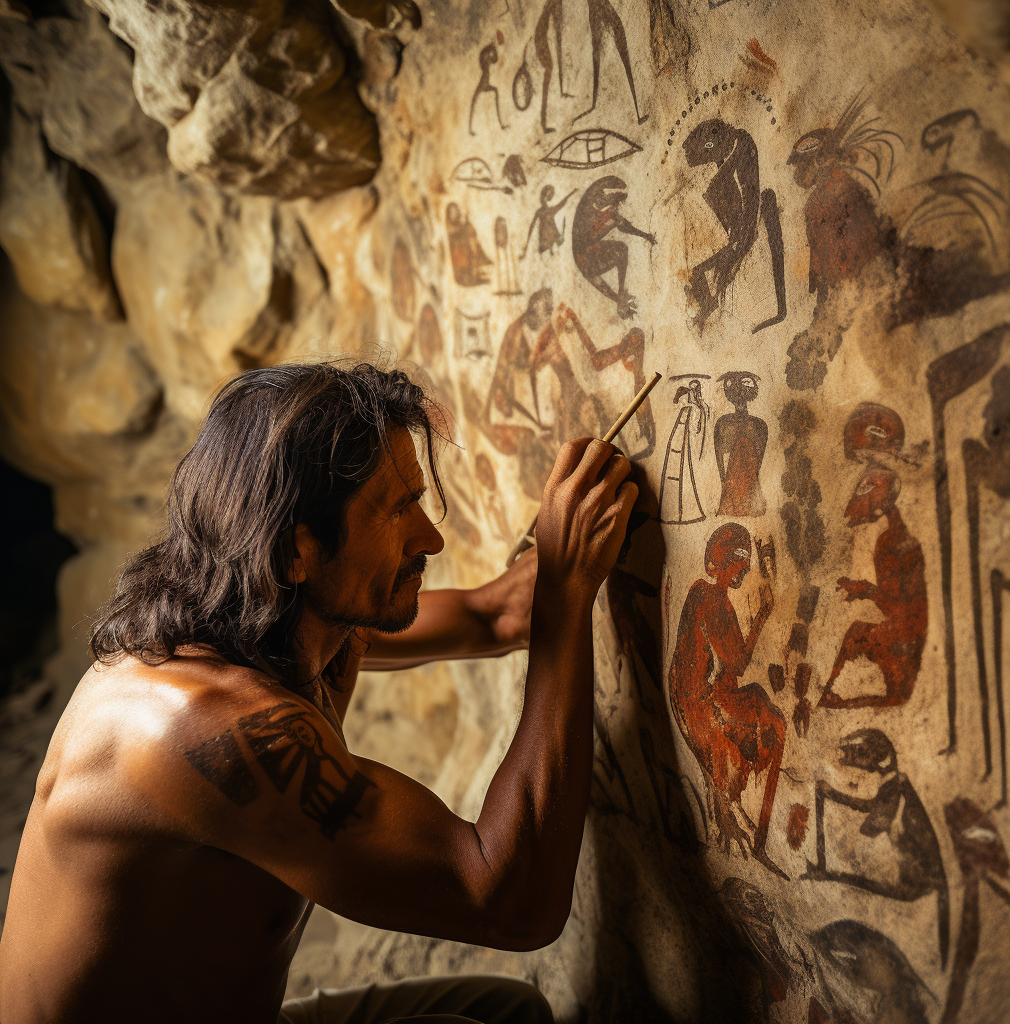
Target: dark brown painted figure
(469, 261)
(868, 960)
(596, 255)
(844, 230)
(735, 196)
(947, 377)
(487, 57)
(604, 19)
(754, 916)
(548, 235)
(740, 440)
(981, 856)
(734, 731)
(894, 810)
(895, 645)
(987, 467)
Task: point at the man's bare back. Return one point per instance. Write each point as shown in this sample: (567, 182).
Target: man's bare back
(182, 908)
(190, 812)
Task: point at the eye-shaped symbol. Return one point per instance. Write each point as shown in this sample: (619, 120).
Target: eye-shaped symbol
(709, 145)
(592, 148)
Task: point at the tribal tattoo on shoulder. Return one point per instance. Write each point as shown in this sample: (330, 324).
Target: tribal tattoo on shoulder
(284, 741)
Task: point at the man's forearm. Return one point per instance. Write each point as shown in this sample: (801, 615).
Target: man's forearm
(530, 827)
(449, 624)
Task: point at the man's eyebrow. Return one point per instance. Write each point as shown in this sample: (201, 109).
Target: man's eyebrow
(411, 496)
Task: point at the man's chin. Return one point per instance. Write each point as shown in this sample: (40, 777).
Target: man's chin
(394, 622)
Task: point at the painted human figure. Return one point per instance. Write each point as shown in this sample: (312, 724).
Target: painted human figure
(734, 731)
(948, 376)
(551, 13)
(889, 805)
(576, 413)
(753, 914)
(735, 196)
(469, 261)
(603, 19)
(529, 344)
(596, 216)
(740, 440)
(987, 467)
(895, 645)
(630, 350)
(679, 501)
(487, 57)
(548, 235)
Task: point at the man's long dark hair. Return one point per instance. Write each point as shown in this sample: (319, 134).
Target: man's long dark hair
(280, 446)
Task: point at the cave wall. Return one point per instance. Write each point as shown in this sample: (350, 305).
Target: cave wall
(798, 214)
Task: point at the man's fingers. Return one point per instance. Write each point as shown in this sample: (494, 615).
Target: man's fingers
(569, 456)
(615, 470)
(594, 458)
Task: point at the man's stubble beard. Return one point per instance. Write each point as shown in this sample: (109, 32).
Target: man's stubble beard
(388, 622)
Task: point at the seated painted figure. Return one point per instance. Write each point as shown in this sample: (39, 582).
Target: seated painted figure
(734, 731)
(894, 645)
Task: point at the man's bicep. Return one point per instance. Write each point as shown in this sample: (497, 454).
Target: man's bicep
(352, 835)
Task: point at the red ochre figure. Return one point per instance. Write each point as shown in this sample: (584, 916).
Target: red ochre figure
(734, 731)
(894, 645)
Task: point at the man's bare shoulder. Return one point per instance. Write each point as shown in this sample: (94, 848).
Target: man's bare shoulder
(128, 723)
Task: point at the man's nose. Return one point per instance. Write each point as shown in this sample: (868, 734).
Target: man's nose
(427, 540)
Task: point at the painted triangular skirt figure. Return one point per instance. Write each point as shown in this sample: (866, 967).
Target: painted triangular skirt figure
(679, 501)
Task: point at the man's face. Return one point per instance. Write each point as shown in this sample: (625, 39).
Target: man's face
(374, 578)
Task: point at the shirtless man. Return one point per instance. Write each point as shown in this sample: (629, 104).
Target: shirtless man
(198, 796)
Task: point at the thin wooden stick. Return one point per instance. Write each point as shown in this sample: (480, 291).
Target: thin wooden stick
(528, 539)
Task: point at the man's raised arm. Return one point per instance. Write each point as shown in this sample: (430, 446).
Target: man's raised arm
(274, 784)
(488, 621)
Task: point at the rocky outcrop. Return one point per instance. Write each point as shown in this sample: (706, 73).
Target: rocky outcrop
(258, 97)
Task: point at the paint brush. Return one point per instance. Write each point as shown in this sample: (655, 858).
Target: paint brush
(527, 540)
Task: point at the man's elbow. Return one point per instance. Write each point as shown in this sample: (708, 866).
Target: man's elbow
(533, 927)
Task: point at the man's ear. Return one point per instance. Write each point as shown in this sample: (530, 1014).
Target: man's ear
(306, 554)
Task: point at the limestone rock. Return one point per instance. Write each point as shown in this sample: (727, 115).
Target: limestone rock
(256, 97)
(214, 283)
(49, 227)
(72, 75)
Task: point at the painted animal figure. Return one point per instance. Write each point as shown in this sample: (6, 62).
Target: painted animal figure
(734, 731)
(734, 195)
(894, 810)
(982, 857)
(596, 216)
(871, 961)
(895, 645)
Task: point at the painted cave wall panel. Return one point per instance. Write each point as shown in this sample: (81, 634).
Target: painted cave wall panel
(801, 659)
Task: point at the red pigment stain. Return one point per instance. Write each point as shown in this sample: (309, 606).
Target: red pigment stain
(796, 829)
(755, 47)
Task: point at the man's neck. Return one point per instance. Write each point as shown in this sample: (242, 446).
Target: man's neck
(317, 645)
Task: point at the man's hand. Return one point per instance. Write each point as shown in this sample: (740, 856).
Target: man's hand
(584, 515)
(507, 600)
